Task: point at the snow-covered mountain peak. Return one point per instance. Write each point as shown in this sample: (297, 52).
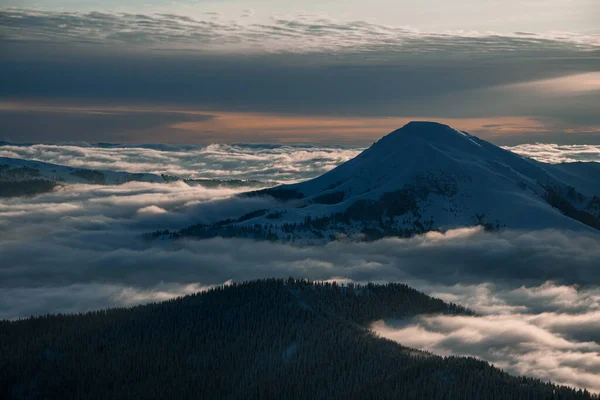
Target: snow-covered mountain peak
(417, 149)
(424, 176)
(426, 130)
(416, 133)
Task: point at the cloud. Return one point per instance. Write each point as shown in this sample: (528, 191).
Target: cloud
(88, 254)
(87, 297)
(279, 163)
(555, 153)
(186, 126)
(87, 246)
(116, 210)
(296, 65)
(150, 211)
(34, 122)
(297, 33)
(91, 233)
(75, 124)
(565, 85)
(288, 67)
(548, 331)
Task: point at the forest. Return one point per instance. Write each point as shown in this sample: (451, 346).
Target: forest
(29, 187)
(272, 338)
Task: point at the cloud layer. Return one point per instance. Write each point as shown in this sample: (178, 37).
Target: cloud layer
(80, 249)
(555, 153)
(300, 33)
(280, 163)
(84, 234)
(548, 331)
(298, 65)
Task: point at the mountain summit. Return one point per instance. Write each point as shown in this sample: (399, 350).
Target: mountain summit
(424, 176)
(425, 130)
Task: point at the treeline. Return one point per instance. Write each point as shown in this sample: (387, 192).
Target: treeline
(29, 187)
(95, 177)
(24, 172)
(393, 214)
(226, 228)
(273, 339)
(232, 183)
(563, 202)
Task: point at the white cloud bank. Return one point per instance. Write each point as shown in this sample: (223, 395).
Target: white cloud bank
(550, 331)
(556, 153)
(281, 163)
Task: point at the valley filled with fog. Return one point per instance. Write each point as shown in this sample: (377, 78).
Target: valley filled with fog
(81, 247)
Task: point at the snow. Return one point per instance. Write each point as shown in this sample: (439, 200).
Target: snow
(506, 188)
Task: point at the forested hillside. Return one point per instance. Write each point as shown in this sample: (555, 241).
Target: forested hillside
(262, 339)
(30, 187)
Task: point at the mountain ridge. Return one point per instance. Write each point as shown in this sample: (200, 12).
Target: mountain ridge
(423, 176)
(17, 169)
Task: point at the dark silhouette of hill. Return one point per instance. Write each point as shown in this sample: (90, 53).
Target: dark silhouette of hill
(268, 339)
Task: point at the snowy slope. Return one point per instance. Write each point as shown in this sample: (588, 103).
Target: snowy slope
(15, 169)
(428, 176)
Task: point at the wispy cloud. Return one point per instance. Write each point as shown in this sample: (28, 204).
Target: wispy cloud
(280, 163)
(555, 153)
(289, 67)
(564, 85)
(299, 33)
(548, 331)
(39, 122)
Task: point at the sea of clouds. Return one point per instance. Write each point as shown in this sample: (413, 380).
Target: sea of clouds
(537, 294)
(280, 163)
(555, 153)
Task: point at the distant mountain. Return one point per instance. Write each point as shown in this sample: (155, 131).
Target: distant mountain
(423, 176)
(269, 339)
(27, 177)
(16, 169)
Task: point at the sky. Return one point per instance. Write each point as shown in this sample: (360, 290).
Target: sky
(261, 71)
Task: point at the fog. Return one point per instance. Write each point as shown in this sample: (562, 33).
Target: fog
(549, 331)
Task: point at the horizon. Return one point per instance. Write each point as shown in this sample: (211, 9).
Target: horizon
(336, 141)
